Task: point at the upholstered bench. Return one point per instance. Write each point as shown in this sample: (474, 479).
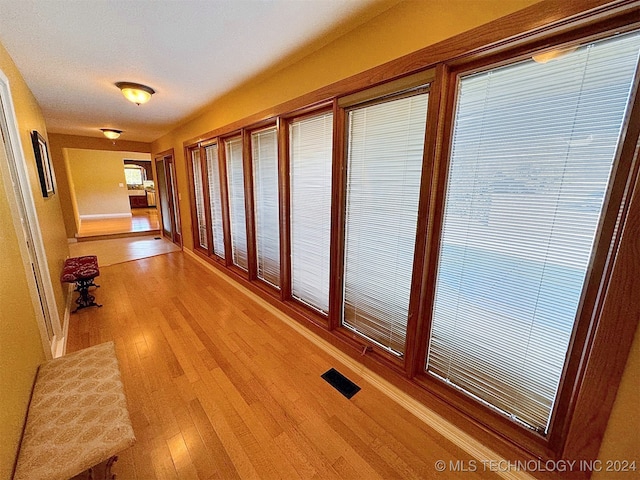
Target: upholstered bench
(77, 419)
(82, 271)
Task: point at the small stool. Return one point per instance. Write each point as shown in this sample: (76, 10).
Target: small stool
(82, 271)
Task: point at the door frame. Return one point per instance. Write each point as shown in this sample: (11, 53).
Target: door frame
(166, 159)
(25, 222)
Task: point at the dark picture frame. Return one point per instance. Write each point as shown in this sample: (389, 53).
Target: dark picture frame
(43, 162)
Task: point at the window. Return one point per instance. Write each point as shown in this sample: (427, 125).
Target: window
(384, 164)
(215, 196)
(267, 218)
(199, 198)
(134, 175)
(235, 184)
(532, 152)
(310, 153)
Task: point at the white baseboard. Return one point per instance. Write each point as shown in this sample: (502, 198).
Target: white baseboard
(99, 216)
(454, 434)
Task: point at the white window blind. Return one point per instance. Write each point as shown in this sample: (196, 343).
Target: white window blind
(237, 216)
(533, 148)
(384, 164)
(265, 184)
(215, 196)
(311, 146)
(199, 194)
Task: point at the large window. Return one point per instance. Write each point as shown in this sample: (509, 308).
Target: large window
(264, 145)
(237, 216)
(310, 153)
(385, 146)
(533, 148)
(215, 199)
(201, 216)
(467, 227)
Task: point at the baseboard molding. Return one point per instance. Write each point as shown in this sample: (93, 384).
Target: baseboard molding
(452, 433)
(101, 216)
(60, 347)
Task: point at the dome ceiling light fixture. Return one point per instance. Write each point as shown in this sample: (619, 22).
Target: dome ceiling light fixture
(111, 133)
(135, 92)
(550, 55)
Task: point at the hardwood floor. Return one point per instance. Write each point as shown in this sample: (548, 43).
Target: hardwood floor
(220, 388)
(118, 250)
(141, 220)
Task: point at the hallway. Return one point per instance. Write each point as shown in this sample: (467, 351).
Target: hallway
(218, 387)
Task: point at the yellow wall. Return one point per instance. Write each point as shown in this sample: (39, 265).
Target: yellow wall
(98, 180)
(21, 348)
(403, 28)
(57, 144)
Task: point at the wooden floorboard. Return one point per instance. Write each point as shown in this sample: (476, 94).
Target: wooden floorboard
(219, 388)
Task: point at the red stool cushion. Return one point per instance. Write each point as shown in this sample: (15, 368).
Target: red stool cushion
(80, 268)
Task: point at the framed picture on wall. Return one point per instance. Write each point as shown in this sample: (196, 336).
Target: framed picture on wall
(45, 170)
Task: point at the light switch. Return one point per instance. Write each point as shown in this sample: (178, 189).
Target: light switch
(121, 185)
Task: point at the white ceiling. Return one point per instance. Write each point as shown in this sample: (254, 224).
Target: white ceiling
(71, 52)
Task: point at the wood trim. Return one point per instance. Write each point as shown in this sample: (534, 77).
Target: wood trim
(338, 191)
(308, 312)
(419, 326)
(308, 111)
(284, 198)
(248, 204)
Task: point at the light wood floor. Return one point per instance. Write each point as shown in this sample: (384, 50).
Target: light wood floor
(141, 220)
(219, 388)
(118, 250)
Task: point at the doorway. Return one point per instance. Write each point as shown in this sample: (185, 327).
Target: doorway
(167, 196)
(25, 223)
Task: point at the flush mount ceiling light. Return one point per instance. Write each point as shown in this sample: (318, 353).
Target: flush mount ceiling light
(111, 133)
(135, 92)
(549, 55)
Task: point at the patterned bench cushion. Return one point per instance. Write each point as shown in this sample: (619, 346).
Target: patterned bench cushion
(80, 268)
(78, 416)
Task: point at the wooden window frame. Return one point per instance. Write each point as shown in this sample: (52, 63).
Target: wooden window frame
(227, 215)
(253, 266)
(374, 96)
(224, 204)
(285, 203)
(600, 346)
(192, 197)
(597, 280)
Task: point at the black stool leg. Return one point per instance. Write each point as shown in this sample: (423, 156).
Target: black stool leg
(85, 300)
